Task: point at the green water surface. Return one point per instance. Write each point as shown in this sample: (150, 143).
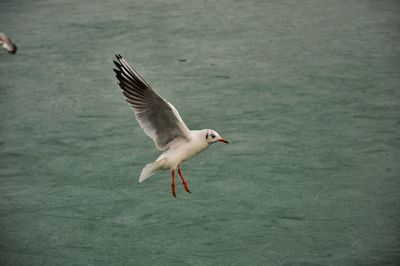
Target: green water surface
(307, 92)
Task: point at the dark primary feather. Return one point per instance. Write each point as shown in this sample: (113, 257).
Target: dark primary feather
(153, 113)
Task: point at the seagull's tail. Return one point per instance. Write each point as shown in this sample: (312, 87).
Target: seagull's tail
(150, 170)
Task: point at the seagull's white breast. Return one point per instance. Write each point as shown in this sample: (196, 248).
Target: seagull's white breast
(182, 150)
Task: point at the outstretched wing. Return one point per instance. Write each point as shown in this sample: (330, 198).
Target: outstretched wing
(158, 118)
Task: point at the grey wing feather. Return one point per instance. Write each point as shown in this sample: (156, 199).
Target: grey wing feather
(158, 118)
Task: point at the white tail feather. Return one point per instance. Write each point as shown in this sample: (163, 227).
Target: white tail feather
(150, 170)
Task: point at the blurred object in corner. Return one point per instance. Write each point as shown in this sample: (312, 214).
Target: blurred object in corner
(7, 43)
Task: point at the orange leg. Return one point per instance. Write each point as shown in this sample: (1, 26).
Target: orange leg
(173, 183)
(183, 180)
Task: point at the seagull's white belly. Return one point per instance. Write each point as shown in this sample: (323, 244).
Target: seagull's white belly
(174, 156)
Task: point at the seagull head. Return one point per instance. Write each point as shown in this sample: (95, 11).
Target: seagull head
(212, 136)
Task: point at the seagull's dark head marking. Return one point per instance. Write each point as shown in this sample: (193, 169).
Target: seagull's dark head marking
(212, 136)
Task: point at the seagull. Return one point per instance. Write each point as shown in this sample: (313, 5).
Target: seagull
(162, 123)
(7, 44)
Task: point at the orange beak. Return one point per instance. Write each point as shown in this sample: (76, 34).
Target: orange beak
(223, 140)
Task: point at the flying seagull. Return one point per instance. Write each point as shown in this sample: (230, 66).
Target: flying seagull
(7, 44)
(162, 123)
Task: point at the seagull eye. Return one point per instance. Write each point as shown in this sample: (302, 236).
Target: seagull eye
(207, 136)
(212, 135)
